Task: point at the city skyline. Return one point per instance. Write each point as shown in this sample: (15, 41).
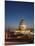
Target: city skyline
(14, 11)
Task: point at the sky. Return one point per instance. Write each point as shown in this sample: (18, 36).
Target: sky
(14, 11)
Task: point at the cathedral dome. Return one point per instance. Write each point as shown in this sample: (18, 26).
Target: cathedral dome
(22, 24)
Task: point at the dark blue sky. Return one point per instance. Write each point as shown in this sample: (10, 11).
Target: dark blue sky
(16, 10)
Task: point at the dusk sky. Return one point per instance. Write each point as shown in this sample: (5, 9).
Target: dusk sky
(16, 10)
